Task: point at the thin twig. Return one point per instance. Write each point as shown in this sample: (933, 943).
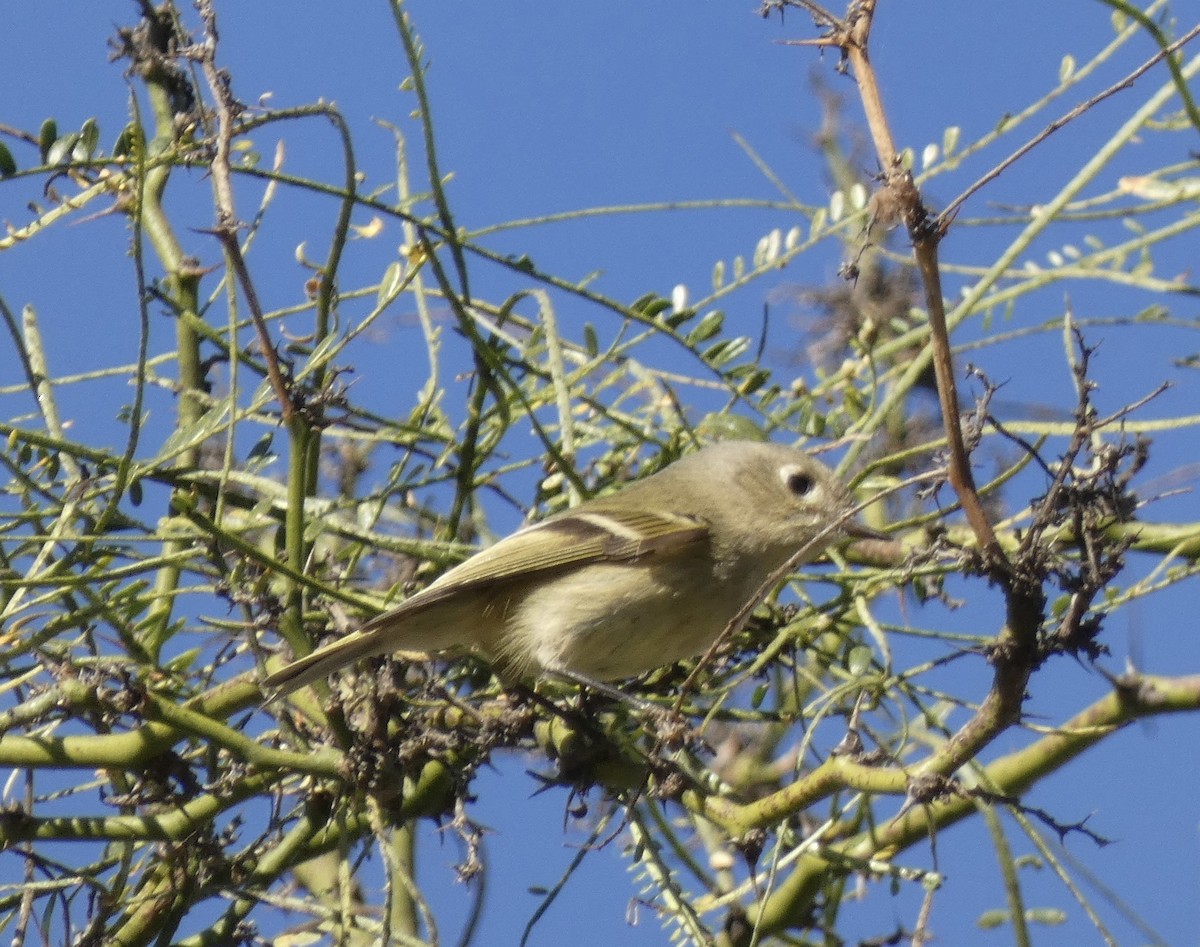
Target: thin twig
(948, 213)
(233, 252)
(227, 225)
(820, 15)
(901, 192)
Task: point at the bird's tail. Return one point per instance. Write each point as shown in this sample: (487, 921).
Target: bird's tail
(325, 660)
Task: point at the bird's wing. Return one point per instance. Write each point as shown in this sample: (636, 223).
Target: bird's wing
(579, 538)
(564, 542)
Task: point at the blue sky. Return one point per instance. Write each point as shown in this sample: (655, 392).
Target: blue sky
(545, 107)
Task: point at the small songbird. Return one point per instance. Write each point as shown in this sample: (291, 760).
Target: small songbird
(636, 579)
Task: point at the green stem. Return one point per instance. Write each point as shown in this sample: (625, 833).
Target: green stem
(182, 286)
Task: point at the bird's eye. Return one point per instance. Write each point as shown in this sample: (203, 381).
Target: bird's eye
(798, 482)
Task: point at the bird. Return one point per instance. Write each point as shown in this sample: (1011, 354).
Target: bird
(623, 583)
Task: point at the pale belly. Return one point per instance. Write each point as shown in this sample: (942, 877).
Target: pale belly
(616, 621)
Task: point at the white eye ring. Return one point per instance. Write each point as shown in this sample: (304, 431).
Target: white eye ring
(799, 482)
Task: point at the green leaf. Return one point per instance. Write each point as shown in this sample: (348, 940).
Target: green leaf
(709, 326)
(213, 421)
(127, 141)
(767, 399)
(323, 354)
(8, 166)
(837, 206)
(855, 402)
(817, 224)
(753, 381)
(858, 661)
(725, 351)
(391, 280)
(1050, 916)
(262, 447)
(676, 319)
(182, 662)
(729, 427)
(61, 149)
(650, 305)
(47, 136)
(89, 139)
(950, 140)
(814, 425)
(1066, 68)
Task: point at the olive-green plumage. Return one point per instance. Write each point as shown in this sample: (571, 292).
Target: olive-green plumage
(623, 583)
